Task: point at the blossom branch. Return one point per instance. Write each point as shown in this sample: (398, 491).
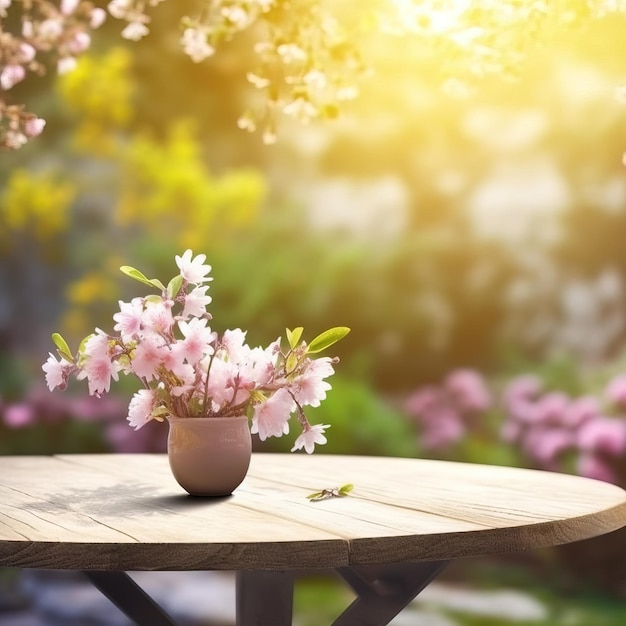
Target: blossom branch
(168, 350)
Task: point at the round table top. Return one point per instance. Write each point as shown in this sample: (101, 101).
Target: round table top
(126, 512)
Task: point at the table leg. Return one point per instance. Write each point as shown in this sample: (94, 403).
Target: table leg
(130, 598)
(264, 598)
(383, 591)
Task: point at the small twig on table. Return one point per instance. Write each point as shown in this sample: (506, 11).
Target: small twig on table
(334, 492)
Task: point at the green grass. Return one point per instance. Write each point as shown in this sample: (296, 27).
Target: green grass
(320, 599)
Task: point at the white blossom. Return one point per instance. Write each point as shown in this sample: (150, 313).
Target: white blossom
(97, 17)
(66, 65)
(119, 8)
(291, 53)
(50, 29)
(236, 15)
(69, 6)
(11, 75)
(195, 45)
(4, 5)
(135, 31)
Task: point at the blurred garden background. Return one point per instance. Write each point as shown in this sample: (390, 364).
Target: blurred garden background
(464, 215)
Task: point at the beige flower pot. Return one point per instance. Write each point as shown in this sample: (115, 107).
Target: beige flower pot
(209, 456)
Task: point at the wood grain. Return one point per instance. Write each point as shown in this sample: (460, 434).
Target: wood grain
(126, 512)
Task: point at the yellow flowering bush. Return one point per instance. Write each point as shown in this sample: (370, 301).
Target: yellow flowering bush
(160, 175)
(99, 92)
(37, 203)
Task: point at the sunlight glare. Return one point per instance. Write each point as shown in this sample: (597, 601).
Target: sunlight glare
(437, 16)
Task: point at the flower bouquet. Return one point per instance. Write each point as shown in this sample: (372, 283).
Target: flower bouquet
(189, 372)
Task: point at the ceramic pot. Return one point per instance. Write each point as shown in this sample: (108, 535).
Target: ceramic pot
(209, 456)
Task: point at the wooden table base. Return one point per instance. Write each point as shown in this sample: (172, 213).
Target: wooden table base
(265, 598)
(130, 598)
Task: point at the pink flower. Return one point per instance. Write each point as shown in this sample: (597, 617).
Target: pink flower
(522, 388)
(233, 342)
(424, 401)
(157, 317)
(196, 302)
(221, 382)
(197, 340)
(580, 411)
(140, 408)
(256, 366)
(19, 415)
(444, 428)
(469, 390)
(603, 435)
(310, 387)
(192, 269)
(546, 444)
(309, 437)
(97, 346)
(522, 410)
(172, 358)
(57, 372)
(33, 127)
(99, 370)
(591, 466)
(129, 318)
(271, 418)
(147, 358)
(551, 408)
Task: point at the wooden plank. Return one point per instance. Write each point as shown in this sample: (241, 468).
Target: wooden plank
(346, 518)
(83, 505)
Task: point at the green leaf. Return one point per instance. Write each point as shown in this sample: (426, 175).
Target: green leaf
(327, 339)
(157, 283)
(160, 412)
(292, 362)
(137, 275)
(346, 489)
(134, 273)
(294, 336)
(81, 347)
(173, 287)
(63, 348)
(314, 496)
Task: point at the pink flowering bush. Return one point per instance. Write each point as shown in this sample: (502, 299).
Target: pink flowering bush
(189, 370)
(447, 413)
(36, 423)
(557, 432)
(525, 423)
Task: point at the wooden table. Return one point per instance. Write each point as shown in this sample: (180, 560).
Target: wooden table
(406, 518)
